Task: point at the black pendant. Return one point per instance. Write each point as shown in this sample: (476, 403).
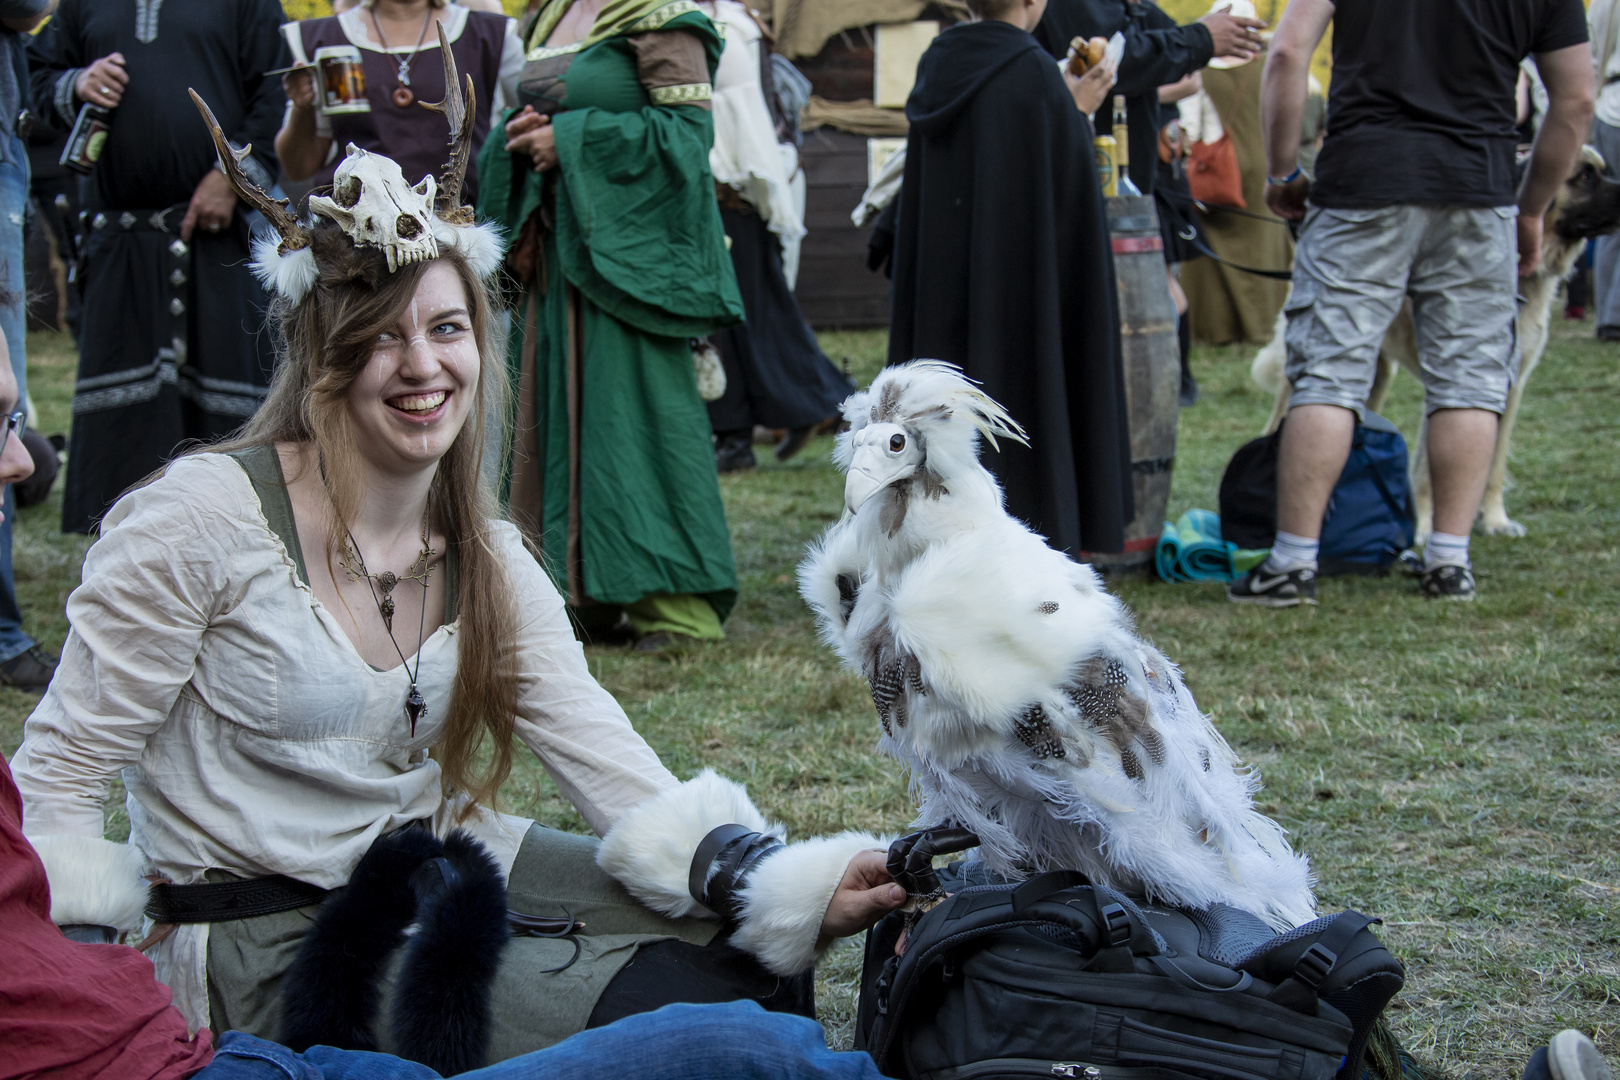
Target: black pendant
(415, 707)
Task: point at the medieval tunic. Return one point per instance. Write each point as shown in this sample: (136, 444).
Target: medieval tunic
(173, 344)
(254, 740)
(776, 373)
(485, 47)
(622, 254)
(1002, 266)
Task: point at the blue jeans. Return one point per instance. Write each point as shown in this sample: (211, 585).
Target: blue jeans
(13, 323)
(736, 1041)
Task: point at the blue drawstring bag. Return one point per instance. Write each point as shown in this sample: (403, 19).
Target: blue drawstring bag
(1370, 517)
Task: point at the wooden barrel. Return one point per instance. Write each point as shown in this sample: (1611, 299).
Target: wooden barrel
(1152, 370)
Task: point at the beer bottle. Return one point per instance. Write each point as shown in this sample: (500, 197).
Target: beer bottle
(1122, 139)
(88, 136)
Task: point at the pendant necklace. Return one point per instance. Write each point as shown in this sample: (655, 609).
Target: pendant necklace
(355, 564)
(402, 93)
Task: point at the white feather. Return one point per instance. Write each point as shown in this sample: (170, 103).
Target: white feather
(998, 624)
(289, 276)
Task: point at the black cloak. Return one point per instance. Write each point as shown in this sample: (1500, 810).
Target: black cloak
(1002, 266)
(1157, 52)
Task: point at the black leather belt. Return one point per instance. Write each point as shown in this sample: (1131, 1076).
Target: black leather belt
(224, 901)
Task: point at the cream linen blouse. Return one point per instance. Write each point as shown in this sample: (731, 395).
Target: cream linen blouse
(251, 735)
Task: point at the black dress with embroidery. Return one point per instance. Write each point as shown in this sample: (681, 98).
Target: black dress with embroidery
(174, 346)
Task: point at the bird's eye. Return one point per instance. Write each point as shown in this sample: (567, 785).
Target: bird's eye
(897, 443)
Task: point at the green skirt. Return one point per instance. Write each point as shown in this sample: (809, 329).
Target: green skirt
(532, 1008)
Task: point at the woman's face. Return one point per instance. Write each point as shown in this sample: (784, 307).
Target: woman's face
(415, 393)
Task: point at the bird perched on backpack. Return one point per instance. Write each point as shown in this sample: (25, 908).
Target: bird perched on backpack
(1013, 685)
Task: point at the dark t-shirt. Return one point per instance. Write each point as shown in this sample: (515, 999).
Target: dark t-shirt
(1421, 108)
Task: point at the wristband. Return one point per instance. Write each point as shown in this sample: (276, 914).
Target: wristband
(1299, 171)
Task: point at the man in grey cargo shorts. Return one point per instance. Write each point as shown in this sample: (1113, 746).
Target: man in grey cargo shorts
(1414, 196)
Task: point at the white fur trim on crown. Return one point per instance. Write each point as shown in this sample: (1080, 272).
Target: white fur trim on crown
(480, 245)
(93, 881)
(288, 276)
(649, 850)
(785, 900)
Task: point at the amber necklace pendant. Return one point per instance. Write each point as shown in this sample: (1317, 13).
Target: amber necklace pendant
(402, 95)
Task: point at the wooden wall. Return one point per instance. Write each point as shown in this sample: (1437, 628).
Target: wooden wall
(835, 288)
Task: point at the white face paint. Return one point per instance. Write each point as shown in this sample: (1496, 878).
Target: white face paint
(411, 400)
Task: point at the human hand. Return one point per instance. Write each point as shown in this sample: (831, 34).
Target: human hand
(1287, 201)
(103, 82)
(1236, 38)
(300, 87)
(1091, 89)
(212, 205)
(865, 894)
(1530, 229)
(530, 133)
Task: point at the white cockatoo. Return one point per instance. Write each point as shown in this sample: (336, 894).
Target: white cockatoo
(1013, 685)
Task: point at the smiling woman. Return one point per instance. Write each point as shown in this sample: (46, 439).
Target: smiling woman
(298, 644)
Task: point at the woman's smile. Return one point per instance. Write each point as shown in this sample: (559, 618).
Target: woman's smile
(421, 407)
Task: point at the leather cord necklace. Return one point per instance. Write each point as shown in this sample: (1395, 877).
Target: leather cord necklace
(402, 94)
(415, 704)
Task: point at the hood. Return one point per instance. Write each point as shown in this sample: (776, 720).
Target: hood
(957, 65)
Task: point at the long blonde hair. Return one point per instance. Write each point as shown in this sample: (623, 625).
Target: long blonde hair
(324, 342)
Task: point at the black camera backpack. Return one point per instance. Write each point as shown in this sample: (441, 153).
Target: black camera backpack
(1056, 977)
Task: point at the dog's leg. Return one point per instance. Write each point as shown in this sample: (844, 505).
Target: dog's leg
(1494, 519)
(1422, 488)
(1381, 381)
(1279, 408)
(1269, 372)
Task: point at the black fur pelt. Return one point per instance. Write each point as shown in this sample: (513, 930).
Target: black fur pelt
(453, 891)
(329, 995)
(441, 1014)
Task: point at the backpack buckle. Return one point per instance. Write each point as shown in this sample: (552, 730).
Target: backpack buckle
(1315, 965)
(1116, 924)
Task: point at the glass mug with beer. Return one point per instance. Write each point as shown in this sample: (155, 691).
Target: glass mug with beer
(340, 80)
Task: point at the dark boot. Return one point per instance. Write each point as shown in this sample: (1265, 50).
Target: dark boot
(1189, 385)
(734, 450)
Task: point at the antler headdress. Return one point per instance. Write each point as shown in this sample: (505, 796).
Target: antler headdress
(373, 203)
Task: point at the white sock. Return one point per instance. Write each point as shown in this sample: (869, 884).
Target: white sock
(1444, 549)
(1291, 552)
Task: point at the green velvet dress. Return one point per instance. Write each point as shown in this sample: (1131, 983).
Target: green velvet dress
(624, 261)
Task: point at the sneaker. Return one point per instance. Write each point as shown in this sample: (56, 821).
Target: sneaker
(1571, 1056)
(1290, 588)
(1447, 582)
(30, 669)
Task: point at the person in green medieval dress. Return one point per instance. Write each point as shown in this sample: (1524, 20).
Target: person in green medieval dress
(601, 179)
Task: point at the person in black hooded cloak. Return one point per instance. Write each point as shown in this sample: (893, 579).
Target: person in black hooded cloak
(1002, 266)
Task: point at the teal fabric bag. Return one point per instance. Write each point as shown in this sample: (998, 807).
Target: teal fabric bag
(1192, 550)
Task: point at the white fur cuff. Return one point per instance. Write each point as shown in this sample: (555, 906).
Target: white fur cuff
(649, 850)
(785, 900)
(93, 881)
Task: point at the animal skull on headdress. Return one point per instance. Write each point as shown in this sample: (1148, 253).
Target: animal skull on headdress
(373, 203)
(376, 207)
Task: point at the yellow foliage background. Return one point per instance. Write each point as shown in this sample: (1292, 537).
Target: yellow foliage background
(315, 9)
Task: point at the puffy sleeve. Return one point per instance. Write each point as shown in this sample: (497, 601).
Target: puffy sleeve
(746, 154)
(638, 229)
(576, 729)
(150, 586)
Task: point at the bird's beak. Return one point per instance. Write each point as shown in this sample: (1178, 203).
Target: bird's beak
(870, 471)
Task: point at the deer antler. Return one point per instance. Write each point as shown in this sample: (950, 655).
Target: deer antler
(293, 235)
(460, 112)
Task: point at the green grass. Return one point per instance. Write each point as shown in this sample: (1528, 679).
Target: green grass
(1449, 768)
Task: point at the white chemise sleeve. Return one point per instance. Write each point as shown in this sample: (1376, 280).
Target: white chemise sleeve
(576, 729)
(149, 587)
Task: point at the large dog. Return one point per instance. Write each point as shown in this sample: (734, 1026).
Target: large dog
(1587, 205)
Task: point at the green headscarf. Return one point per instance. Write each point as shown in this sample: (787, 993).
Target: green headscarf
(617, 17)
